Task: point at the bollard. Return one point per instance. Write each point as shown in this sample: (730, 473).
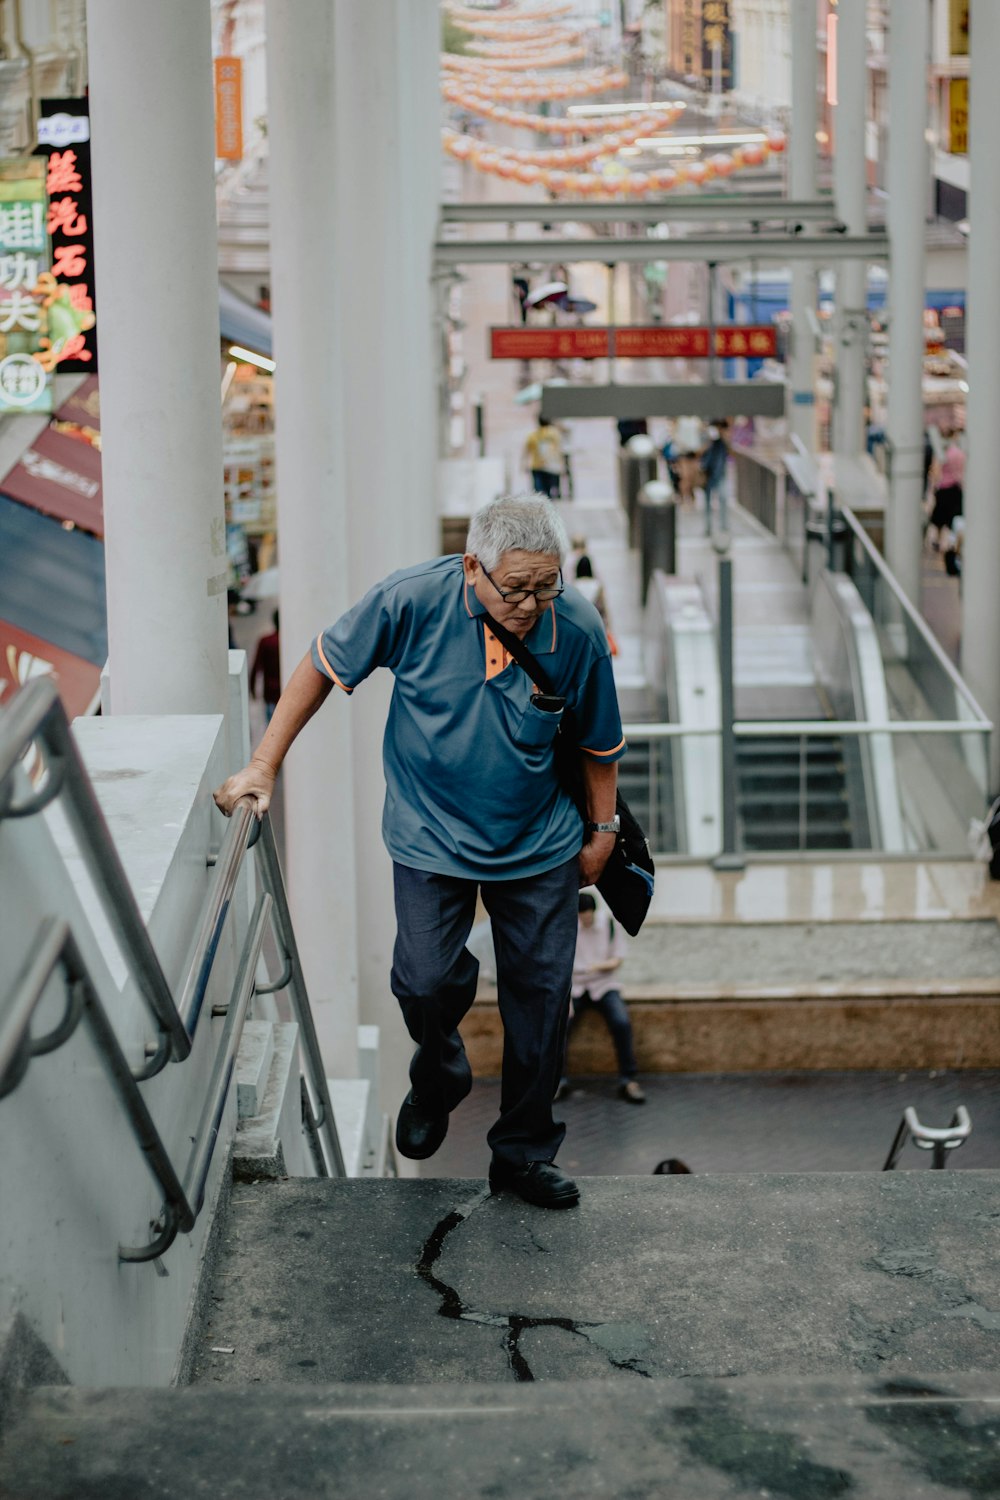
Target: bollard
(637, 465)
(657, 531)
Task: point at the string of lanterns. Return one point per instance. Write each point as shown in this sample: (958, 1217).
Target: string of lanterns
(474, 20)
(524, 45)
(551, 59)
(563, 156)
(521, 119)
(533, 89)
(616, 179)
(534, 41)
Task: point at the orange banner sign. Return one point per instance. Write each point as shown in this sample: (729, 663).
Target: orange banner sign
(229, 108)
(736, 341)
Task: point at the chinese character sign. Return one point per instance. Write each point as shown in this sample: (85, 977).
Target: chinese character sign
(64, 144)
(958, 116)
(689, 37)
(958, 28)
(716, 43)
(26, 286)
(228, 108)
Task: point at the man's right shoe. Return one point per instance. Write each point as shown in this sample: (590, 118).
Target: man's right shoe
(540, 1182)
(418, 1133)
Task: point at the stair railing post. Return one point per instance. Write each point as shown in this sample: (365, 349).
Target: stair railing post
(728, 859)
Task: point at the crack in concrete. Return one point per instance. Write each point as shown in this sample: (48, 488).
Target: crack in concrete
(611, 1339)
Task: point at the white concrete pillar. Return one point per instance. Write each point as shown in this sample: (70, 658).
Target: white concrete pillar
(909, 34)
(157, 289)
(308, 235)
(849, 191)
(981, 552)
(387, 192)
(802, 185)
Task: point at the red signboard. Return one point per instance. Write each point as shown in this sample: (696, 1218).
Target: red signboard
(548, 343)
(735, 341)
(23, 656)
(61, 475)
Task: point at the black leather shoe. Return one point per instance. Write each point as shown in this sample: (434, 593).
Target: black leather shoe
(540, 1182)
(418, 1133)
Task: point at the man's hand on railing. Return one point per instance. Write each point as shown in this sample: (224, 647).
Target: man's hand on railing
(255, 782)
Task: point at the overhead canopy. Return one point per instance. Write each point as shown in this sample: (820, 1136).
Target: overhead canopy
(52, 581)
(24, 656)
(242, 323)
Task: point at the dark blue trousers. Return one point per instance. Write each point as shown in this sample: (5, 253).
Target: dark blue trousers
(434, 979)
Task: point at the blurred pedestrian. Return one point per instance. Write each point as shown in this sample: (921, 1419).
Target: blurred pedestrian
(715, 469)
(630, 427)
(599, 951)
(543, 457)
(267, 669)
(948, 493)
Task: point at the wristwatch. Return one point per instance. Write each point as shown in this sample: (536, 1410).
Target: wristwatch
(614, 826)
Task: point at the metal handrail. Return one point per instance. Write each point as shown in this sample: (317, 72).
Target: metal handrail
(913, 615)
(929, 1138)
(36, 715)
(228, 864)
(319, 1117)
(797, 728)
(55, 947)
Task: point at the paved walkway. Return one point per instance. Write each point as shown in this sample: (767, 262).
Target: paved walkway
(743, 1122)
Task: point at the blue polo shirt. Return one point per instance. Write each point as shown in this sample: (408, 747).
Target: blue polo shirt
(471, 788)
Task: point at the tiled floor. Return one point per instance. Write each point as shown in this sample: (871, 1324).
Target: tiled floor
(749, 1122)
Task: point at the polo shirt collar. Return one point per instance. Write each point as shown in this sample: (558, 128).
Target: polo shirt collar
(541, 638)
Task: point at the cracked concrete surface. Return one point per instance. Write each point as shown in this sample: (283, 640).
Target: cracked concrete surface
(666, 1277)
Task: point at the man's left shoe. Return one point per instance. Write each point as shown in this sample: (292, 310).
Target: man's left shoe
(631, 1091)
(540, 1182)
(418, 1133)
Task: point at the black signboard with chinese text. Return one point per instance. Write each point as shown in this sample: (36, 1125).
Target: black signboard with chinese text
(64, 138)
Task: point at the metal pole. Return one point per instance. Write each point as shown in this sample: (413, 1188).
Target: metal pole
(611, 322)
(712, 273)
(729, 859)
(802, 184)
(908, 42)
(849, 188)
(980, 595)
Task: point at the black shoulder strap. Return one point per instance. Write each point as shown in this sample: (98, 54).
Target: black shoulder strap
(524, 657)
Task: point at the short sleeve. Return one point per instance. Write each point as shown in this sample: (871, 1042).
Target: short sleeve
(598, 719)
(364, 638)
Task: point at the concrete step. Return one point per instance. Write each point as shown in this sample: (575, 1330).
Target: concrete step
(871, 1437)
(433, 1280)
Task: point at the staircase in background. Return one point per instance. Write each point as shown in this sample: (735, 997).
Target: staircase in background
(792, 798)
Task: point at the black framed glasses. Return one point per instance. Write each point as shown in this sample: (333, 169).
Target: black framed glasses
(543, 595)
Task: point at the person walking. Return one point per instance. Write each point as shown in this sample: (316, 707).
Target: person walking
(267, 669)
(543, 457)
(715, 470)
(948, 494)
(599, 952)
(473, 804)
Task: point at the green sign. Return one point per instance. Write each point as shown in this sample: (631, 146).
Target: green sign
(26, 286)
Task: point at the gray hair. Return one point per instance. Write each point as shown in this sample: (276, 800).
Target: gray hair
(527, 523)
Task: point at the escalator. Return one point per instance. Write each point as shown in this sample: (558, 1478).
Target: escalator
(792, 797)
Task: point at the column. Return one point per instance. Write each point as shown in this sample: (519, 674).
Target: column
(311, 435)
(157, 289)
(802, 185)
(387, 192)
(980, 594)
(909, 37)
(849, 191)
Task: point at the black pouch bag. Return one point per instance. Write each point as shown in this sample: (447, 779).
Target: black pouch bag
(626, 883)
